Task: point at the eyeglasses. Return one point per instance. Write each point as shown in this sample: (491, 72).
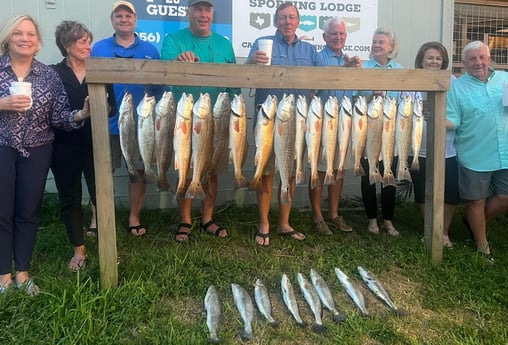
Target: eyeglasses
(126, 53)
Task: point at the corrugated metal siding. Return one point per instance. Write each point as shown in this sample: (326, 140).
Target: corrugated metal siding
(414, 21)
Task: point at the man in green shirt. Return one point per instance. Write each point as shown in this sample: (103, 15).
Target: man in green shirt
(198, 43)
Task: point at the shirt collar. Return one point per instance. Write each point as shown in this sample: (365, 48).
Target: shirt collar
(280, 38)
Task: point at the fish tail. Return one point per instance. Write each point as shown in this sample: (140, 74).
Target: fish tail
(239, 197)
(285, 198)
(150, 176)
(314, 181)
(415, 164)
(274, 323)
(329, 179)
(316, 328)
(255, 183)
(375, 177)
(359, 170)
(388, 179)
(241, 181)
(163, 185)
(246, 335)
(400, 312)
(338, 317)
(301, 324)
(195, 191)
(340, 174)
(134, 176)
(404, 175)
(299, 177)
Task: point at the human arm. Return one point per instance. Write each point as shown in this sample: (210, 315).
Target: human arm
(17, 103)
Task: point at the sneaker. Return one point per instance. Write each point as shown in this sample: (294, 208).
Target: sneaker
(322, 228)
(340, 224)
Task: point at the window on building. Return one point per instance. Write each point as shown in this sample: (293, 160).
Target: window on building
(488, 23)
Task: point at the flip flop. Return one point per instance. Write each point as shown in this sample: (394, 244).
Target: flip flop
(264, 237)
(292, 234)
(136, 228)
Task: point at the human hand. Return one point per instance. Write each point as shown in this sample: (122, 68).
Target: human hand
(83, 113)
(187, 56)
(260, 57)
(355, 61)
(17, 103)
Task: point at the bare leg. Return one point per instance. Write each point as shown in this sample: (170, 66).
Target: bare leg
(284, 211)
(136, 198)
(185, 210)
(495, 205)
(475, 213)
(334, 193)
(5, 280)
(315, 196)
(264, 198)
(207, 207)
(93, 217)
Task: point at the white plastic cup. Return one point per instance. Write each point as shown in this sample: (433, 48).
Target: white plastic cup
(505, 95)
(265, 45)
(21, 88)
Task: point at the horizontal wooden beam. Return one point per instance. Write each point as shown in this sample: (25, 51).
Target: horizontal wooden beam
(131, 71)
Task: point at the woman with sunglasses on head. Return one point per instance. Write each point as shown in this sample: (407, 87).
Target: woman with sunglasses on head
(26, 136)
(73, 151)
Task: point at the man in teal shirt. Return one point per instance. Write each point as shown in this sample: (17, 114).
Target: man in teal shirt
(198, 43)
(475, 108)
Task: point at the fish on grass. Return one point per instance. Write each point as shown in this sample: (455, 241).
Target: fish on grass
(213, 313)
(353, 291)
(325, 295)
(263, 302)
(164, 128)
(378, 289)
(182, 138)
(238, 139)
(245, 308)
(284, 145)
(263, 138)
(288, 295)
(128, 137)
(202, 146)
(146, 135)
(311, 296)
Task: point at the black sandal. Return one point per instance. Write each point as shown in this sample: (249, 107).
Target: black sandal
(183, 233)
(204, 227)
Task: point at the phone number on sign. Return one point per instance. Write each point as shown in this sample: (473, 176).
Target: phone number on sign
(152, 37)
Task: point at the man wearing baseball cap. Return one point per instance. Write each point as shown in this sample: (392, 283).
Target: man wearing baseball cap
(124, 43)
(198, 43)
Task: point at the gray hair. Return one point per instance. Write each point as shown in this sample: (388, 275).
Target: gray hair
(333, 20)
(394, 41)
(8, 27)
(473, 46)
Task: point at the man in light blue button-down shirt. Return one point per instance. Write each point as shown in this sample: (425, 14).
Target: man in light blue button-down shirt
(475, 108)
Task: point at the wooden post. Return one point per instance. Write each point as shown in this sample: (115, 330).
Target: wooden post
(434, 174)
(102, 71)
(104, 186)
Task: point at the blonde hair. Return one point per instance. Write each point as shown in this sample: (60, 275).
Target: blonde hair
(394, 41)
(8, 27)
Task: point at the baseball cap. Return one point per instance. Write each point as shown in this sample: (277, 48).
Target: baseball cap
(125, 4)
(194, 2)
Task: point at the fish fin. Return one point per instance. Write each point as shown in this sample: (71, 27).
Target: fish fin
(375, 177)
(134, 176)
(415, 164)
(150, 176)
(359, 171)
(340, 174)
(299, 177)
(285, 197)
(314, 182)
(318, 328)
(255, 183)
(241, 182)
(274, 323)
(163, 185)
(404, 175)
(338, 317)
(388, 179)
(301, 324)
(195, 191)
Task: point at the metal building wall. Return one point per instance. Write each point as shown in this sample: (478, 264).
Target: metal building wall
(414, 21)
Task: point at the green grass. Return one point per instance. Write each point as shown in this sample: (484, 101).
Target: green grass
(162, 284)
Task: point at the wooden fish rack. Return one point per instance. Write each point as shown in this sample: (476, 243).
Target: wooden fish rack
(102, 71)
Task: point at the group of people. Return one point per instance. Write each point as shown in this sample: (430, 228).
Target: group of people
(51, 129)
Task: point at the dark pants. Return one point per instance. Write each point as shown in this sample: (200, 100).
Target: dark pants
(369, 194)
(21, 191)
(69, 161)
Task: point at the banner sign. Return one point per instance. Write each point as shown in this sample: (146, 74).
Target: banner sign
(242, 21)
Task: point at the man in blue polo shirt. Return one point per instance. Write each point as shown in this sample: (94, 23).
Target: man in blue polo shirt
(126, 44)
(287, 50)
